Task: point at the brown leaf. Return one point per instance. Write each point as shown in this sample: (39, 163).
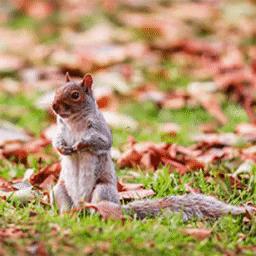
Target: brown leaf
(129, 158)
(48, 183)
(11, 233)
(102, 247)
(174, 164)
(197, 233)
(174, 103)
(6, 185)
(190, 189)
(203, 93)
(20, 150)
(210, 103)
(215, 139)
(104, 55)
(89, 250)
(208, 128)
(107, 210)
(121, 186)
(45, 176)
(149, 156)
(135, 194)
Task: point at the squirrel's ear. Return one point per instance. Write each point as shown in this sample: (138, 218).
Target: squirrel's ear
(67, 77)
(87, 82)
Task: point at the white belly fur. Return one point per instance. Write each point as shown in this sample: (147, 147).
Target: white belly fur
(78, 173)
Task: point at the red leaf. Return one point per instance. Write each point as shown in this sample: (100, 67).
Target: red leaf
(11, 233)
(136, 194)
(6, 185)
(197, 233)
(107, 210)
(42, 177)
(128, 186)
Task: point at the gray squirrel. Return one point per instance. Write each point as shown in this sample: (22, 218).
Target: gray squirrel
(84, 141)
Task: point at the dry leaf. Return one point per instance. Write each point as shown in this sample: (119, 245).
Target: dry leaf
(121, 186)
(46, 175)
(197, 233)
(107, 210)
(135, 194)
(11, 233)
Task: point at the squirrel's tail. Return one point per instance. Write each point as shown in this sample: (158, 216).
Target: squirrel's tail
(191, 205)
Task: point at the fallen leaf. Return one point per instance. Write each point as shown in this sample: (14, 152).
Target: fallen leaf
(11, 233)
(149, 156)
(6, 185)
(20, 150)
(135, 194)
(215, 139)
(107, 210)
(202, 92)
(89, 250)
(121, 186)
(197, 233)
(46, 175)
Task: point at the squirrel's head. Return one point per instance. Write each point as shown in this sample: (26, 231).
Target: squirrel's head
(72, 96)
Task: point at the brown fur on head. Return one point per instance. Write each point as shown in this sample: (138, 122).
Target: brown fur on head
(70, 97)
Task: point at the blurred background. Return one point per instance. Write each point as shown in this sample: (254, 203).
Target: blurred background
(136, 50)
(159, 67)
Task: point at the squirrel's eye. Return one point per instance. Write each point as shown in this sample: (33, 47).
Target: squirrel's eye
(75, 95)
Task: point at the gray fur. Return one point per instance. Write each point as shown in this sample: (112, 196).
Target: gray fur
(190, 205)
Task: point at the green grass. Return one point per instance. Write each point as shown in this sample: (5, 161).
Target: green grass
(162, 235)
(21, 111)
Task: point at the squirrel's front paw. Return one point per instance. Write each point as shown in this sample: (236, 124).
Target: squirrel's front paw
(79, 146)
(65, 150)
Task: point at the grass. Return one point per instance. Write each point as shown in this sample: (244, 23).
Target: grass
(20, 110)
(81, 234)
(162, 235)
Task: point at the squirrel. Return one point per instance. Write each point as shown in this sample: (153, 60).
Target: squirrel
(84, 141)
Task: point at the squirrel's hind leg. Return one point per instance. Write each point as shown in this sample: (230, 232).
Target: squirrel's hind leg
(60, 197)
(105, 192)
